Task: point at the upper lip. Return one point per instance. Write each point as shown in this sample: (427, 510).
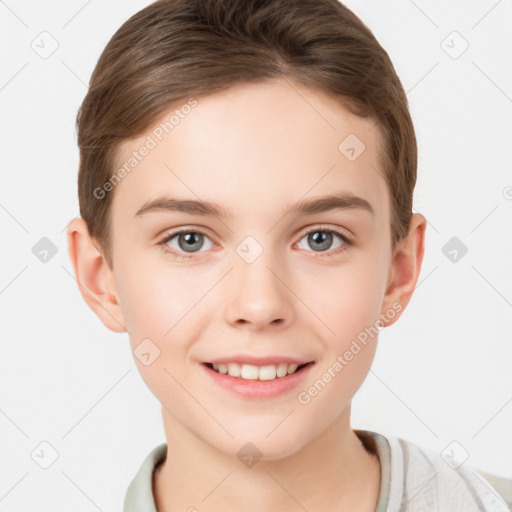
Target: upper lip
(257, 360)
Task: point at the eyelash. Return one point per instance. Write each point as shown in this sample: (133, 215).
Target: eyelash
(347, 242)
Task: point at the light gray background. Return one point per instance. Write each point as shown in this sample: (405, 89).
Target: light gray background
(441, 374)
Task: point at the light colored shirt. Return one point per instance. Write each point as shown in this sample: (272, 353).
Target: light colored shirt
(413, 479)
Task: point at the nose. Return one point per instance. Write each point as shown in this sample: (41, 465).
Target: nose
(258, 295)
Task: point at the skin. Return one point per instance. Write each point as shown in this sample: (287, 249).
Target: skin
(254, 149)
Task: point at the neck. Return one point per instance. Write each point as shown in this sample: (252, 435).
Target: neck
(333, 472)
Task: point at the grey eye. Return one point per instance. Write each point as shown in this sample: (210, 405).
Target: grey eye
(321, 240)
(189, 241)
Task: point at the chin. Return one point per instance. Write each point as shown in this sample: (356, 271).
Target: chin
(257, 444)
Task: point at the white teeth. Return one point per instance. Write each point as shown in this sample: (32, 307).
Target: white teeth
(282, 370)
(251, 372)
(248, 371)
(267, 372)
(292, 367)
(234, 370)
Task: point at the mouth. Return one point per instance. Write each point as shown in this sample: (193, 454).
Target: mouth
(247, 381)
(249, 372)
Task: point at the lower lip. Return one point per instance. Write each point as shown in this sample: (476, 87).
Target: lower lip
(259, 388)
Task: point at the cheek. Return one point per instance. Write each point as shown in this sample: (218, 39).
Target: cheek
(350, 351)
(158, 305)
(356, 310)
(153, 299)
(347, 298)
(350, 309)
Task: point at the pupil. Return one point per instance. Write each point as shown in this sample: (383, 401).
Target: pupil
(191, 239)
(322, 238)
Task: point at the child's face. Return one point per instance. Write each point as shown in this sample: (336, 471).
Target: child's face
(254, 150)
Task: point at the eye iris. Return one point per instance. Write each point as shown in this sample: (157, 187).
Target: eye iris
(322, 237)
(192, 241)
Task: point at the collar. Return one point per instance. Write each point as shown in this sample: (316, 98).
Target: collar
(139, 496)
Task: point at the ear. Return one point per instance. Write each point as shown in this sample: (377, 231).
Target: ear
(95, 279)
(404, 272)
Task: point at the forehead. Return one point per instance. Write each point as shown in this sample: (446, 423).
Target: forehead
(251, 147)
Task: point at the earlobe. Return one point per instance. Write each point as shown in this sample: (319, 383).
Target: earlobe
(94, 277)
(405, 270)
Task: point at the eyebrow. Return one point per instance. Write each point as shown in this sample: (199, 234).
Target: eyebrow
(341, 201)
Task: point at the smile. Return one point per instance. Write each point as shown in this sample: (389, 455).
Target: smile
(252, 372)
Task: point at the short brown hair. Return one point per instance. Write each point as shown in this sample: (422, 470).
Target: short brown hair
(174, 49)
